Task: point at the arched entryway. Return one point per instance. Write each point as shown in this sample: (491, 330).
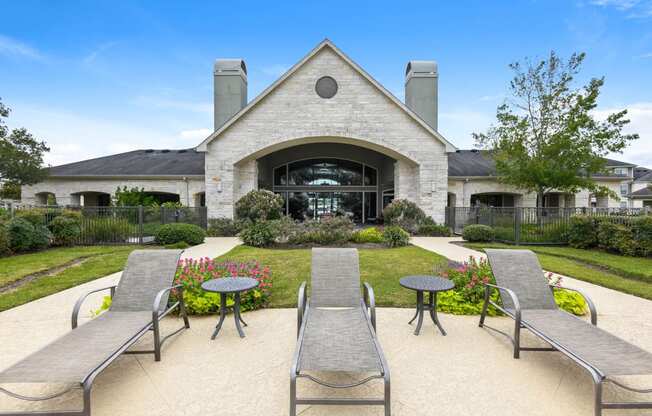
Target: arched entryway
(335, 179)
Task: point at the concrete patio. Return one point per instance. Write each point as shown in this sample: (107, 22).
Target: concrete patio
(468, 372)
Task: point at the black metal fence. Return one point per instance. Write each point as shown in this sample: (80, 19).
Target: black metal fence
(526, 225)
(118, 225)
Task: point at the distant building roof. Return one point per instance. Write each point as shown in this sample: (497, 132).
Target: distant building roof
(475, 162)
(182, 162)
(188, 162)
(641, 172)
(641, 193)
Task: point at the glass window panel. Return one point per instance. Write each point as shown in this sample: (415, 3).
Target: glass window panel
(280, 175)
(370, 176)
(370, 202)
(332, 172)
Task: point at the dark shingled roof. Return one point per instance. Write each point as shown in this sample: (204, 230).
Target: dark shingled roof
(182, 162)
(187, 162)
(479, 163)
(470, 163)
(642, 173)
(641, 193)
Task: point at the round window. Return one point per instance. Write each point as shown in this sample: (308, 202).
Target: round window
(326, 87)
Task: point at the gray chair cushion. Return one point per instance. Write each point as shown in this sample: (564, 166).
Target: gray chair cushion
(72, 357)
(520, 271)
(147, 272)
(335, 278)
(596, 347)
(338, 340)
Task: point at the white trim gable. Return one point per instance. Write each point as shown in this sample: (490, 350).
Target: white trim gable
(203, 146)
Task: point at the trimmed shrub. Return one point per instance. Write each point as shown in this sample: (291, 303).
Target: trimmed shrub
(616, 238)
(582, 232)
(223, 227)
(177, 232)
(4, 241)
(405, 214)
(259, 234)
(434, 230)
(395, 236)
(367, 235)
(24, 236)
(478, 233)
(327, 230)
(642, 231)
(35, 216)
(259, 205)
(65, 230)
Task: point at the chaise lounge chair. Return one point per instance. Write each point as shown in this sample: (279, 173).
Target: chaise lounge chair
(140, 300)
(337, 330)
(527, 298)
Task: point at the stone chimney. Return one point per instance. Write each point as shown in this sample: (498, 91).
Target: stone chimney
(421, 90)
(230, 89)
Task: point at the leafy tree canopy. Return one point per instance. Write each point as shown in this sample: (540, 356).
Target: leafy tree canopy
(133, 197)
(546, 138)
(21, 154)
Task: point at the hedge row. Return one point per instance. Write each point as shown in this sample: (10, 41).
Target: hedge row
(633, 238)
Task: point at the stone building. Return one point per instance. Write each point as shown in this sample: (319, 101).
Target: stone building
(327, 137)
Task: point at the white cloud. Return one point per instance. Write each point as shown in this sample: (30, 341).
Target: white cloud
(619, 4)
(171, 103)
(196, 134)
(13, 47)
(91, 57)
(275, 70)
(633, 8)
(640, 115)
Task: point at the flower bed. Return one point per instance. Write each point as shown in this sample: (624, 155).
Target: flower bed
(193, 272)
(468, 296)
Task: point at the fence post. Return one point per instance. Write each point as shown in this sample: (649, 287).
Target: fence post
(140, 224)
(451, 218)
(517, 225)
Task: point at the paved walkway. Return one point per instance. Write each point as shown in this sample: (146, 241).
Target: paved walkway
(468, 372)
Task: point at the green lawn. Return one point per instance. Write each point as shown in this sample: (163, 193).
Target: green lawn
(382, 268)
(631, 275)
(101, 261)
(16, 267)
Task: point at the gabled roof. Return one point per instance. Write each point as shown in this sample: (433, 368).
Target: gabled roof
(325, 44)
(142, 163)
(612, 163)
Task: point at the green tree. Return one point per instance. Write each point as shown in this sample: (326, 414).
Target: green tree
(133, 197)
(10, 190)
(21, 154)
(545, 137)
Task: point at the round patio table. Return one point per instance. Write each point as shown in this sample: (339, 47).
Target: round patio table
(432, 285)
(227, 285)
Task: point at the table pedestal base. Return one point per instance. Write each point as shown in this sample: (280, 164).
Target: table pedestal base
(236, 315)
(431, 306)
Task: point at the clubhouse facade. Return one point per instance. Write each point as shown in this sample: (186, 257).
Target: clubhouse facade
(329, 139)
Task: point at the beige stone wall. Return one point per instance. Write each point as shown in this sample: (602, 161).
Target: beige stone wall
(359, 114)
(64, 189)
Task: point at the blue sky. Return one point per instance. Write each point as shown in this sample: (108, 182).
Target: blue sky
(100, 77)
